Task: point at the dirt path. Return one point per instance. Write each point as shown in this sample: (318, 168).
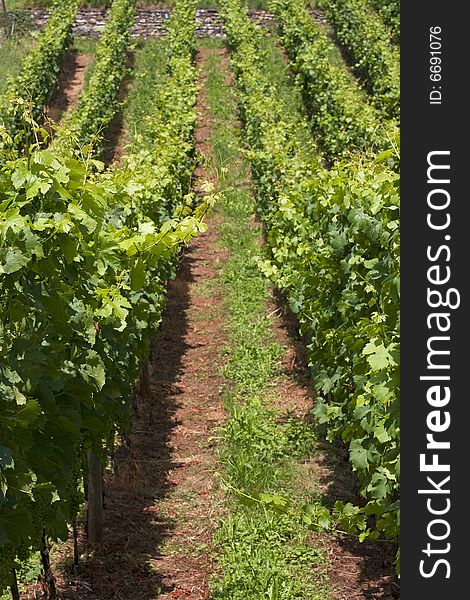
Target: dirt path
(69, 85)
(163, 504)
(116, 136)
(197, 501)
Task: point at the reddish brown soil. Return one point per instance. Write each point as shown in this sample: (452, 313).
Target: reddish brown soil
(116, 135)
(69, 86)
(205, 124)
(163, 503)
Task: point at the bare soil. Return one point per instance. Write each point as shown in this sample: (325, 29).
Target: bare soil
(163, 502)
(69, 85)
(116, 135)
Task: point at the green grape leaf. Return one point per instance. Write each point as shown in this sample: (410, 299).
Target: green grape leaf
(13, 261)
(15, 524)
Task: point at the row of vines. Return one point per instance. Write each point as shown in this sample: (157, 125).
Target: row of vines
(368, 42)
(31, 90)
(85, 251)
(340, 117)
(99, 103)
(333, 243)
(84, 257)
(389, 12)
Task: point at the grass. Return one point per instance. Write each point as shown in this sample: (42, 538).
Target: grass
(147, 74)
(12, 53)
(29, 572)
(84, 45)
(207, 288)
(263, 553)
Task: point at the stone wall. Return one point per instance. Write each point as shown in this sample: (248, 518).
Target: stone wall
(149, 22)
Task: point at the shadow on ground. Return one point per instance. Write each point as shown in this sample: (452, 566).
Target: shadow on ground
(69, 86)
(134, 527)
(115, 135)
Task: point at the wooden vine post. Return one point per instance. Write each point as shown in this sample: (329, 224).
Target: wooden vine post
(6, 20)
(75, 544)
(15, 593)
(50, 591)
(95, 499)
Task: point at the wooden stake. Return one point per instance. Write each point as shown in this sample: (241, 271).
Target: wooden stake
(145, 378)
(75, 544)
(95, 499)
(6, 19)
(15, 593)
(50, 591)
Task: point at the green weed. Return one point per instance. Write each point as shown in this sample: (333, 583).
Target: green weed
(12, 53)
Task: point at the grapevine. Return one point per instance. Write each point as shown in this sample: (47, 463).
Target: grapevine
(78, 248)
(389, 12)
(333, 247)
(37, 80)
(99, 102)
(376, 60)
